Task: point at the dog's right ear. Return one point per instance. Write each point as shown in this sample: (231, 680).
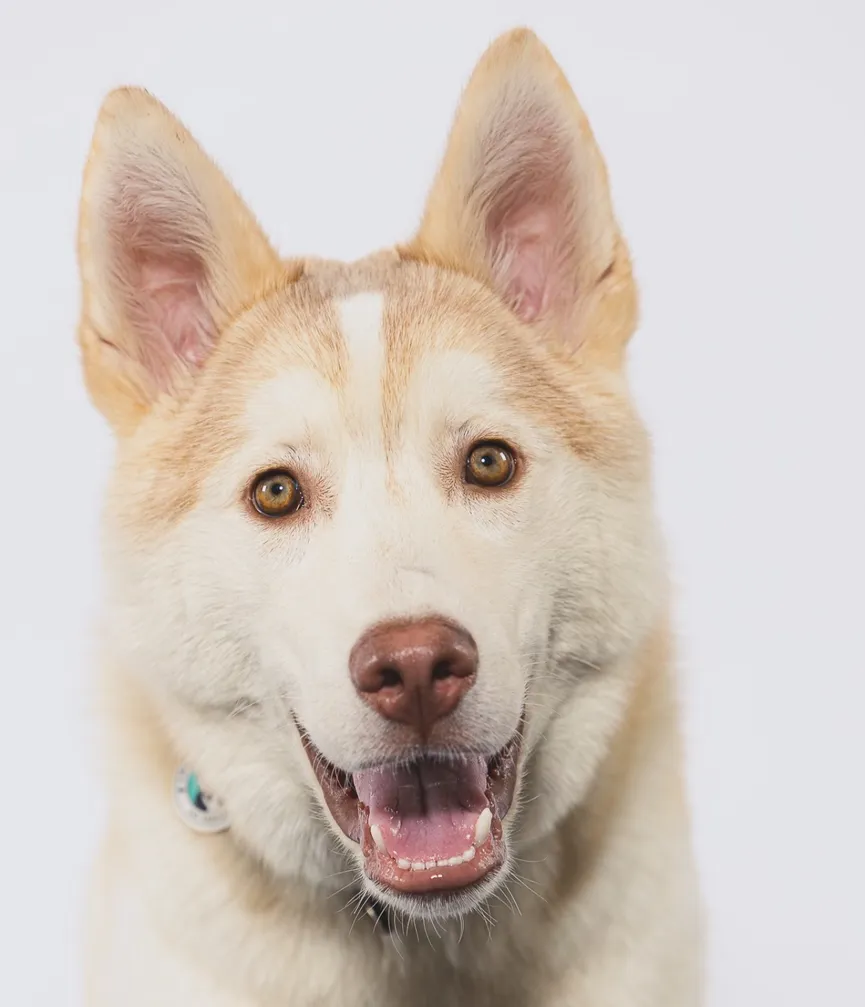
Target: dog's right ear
(168, 253)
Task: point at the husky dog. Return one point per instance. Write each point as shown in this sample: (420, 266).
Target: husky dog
(390, 703)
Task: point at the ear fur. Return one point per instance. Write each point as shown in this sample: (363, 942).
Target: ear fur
(521, 201)
(168, 253)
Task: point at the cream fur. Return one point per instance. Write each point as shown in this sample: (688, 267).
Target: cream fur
(369, 382)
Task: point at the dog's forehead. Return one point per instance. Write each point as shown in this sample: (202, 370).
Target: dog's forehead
(359, 353)
(385, 338)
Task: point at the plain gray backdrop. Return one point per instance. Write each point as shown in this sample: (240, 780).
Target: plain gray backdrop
(734, 137)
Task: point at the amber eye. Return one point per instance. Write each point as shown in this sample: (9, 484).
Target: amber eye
(276, 494)
(490, 464)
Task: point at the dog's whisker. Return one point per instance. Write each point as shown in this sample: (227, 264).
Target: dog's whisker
(339, 891)
(527, 885)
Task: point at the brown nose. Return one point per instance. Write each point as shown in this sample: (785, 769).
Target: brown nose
(414, 672)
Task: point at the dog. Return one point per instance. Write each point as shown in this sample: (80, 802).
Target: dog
(386, 677)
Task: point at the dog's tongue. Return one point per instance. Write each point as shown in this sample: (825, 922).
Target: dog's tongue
(427, 811)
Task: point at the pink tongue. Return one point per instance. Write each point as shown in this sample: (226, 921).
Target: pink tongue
(428, 810)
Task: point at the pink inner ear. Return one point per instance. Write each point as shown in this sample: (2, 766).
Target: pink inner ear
(528, 197)
(175, 326)
(525, 252)
(159, 238)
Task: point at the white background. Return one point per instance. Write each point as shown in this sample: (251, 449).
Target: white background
(734, 135)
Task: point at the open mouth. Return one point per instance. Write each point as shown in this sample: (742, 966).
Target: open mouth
(432, 824)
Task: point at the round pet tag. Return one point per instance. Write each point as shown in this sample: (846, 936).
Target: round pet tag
(201, 811)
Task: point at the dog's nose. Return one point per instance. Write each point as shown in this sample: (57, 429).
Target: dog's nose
(414, 672)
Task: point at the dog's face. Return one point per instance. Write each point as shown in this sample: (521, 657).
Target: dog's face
(379, 534)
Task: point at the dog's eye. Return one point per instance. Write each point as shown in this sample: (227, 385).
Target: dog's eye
(276, 494)
(490, 464)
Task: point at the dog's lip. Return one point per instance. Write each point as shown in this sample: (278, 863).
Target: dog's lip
(351, 815)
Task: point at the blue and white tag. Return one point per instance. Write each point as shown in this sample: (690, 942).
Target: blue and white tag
(201, 811)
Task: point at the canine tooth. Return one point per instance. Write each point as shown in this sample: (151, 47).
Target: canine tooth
(482, 826)
(418, 865)
(430, 864)
(403, 865)
(378, 838)
(468, 855)
(454, 861)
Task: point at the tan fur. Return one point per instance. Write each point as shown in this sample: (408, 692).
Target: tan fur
(222, 628)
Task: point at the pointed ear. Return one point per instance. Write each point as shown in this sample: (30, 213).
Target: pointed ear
(521, 201)
(168, 254)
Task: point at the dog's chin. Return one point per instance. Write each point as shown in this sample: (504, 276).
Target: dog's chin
(429, 828)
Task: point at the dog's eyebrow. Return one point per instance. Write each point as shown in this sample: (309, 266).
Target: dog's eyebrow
(424, 571)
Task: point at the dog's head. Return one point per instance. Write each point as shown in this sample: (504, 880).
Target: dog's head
(379, 534)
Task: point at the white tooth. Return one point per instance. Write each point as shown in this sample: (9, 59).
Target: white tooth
(441, 863)
(430, 864)
(482, 826)
(468, 855)
(418, 865)
(455, 861)
(378, 838)
(404, 865)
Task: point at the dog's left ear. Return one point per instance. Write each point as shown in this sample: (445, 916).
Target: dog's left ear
(521, 202)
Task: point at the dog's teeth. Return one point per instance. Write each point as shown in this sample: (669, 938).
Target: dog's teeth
(428, 865)
(378, 838)
(482, 826)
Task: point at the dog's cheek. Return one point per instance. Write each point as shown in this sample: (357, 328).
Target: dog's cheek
(601, 564)
(183, 609)
(603, 561)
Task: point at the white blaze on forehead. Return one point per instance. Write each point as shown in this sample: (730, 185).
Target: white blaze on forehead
(360, 322)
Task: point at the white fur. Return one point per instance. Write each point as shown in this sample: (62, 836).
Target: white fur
(360, 324)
